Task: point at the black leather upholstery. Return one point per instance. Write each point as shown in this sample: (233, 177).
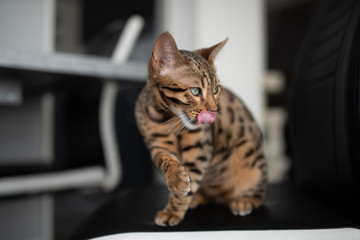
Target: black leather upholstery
(133, 210)
(135, 158)
(325, 106)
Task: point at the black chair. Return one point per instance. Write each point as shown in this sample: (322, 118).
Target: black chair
(324, 138)
(325, 107)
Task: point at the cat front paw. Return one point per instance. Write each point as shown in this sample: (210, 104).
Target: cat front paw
(178, 180)
(166, 218)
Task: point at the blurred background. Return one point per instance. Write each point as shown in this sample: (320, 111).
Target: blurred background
(59, 71)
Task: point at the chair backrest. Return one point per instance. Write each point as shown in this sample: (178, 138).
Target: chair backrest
(325, 105)
(136, 164)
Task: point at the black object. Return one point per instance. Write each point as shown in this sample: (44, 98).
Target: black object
(325, 107)
(135, 158)
(133, 210)
(77, 142)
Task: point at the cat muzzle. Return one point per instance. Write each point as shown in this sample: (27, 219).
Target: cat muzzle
(206, 117)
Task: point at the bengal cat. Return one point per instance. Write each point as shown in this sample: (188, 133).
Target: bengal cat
(201, 137)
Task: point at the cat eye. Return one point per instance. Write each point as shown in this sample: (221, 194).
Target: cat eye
(195, 91)
(216, 89)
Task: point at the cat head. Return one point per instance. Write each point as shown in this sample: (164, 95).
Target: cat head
(185, 82)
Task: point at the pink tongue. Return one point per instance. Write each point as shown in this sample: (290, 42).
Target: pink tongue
(206, 117)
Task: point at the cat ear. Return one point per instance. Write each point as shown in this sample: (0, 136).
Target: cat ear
(166, 55)
(211, 52)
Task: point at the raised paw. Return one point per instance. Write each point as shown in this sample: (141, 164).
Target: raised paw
(166, 218)
(241, 207)
(178, 180)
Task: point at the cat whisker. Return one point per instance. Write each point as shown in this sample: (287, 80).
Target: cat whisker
(171, 119)
(180, 130)
(184, 126)
(177, 123)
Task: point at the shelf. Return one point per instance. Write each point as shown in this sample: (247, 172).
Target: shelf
(73, 64)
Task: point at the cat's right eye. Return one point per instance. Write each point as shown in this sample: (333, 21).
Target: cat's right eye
(195, 91)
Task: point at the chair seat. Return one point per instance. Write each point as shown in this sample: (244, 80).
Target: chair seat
(286, 208)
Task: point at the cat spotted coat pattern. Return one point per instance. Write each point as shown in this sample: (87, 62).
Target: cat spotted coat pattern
(201, 137)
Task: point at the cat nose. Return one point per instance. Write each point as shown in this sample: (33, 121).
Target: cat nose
(211, 106)
(213, 110)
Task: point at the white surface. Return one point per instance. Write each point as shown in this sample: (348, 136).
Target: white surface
(108, 135)
(326, 234)
(240, 64)
(27, 25)
(128, 38)
(177, 17)
(49, 25)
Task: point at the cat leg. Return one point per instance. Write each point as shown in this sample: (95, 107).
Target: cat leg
(197, 200)
(249, 180)
(244, 205)
(179, 185)
(178, 204)
(174, 211)
(252, 198)
(248, 201)
(195, 157)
